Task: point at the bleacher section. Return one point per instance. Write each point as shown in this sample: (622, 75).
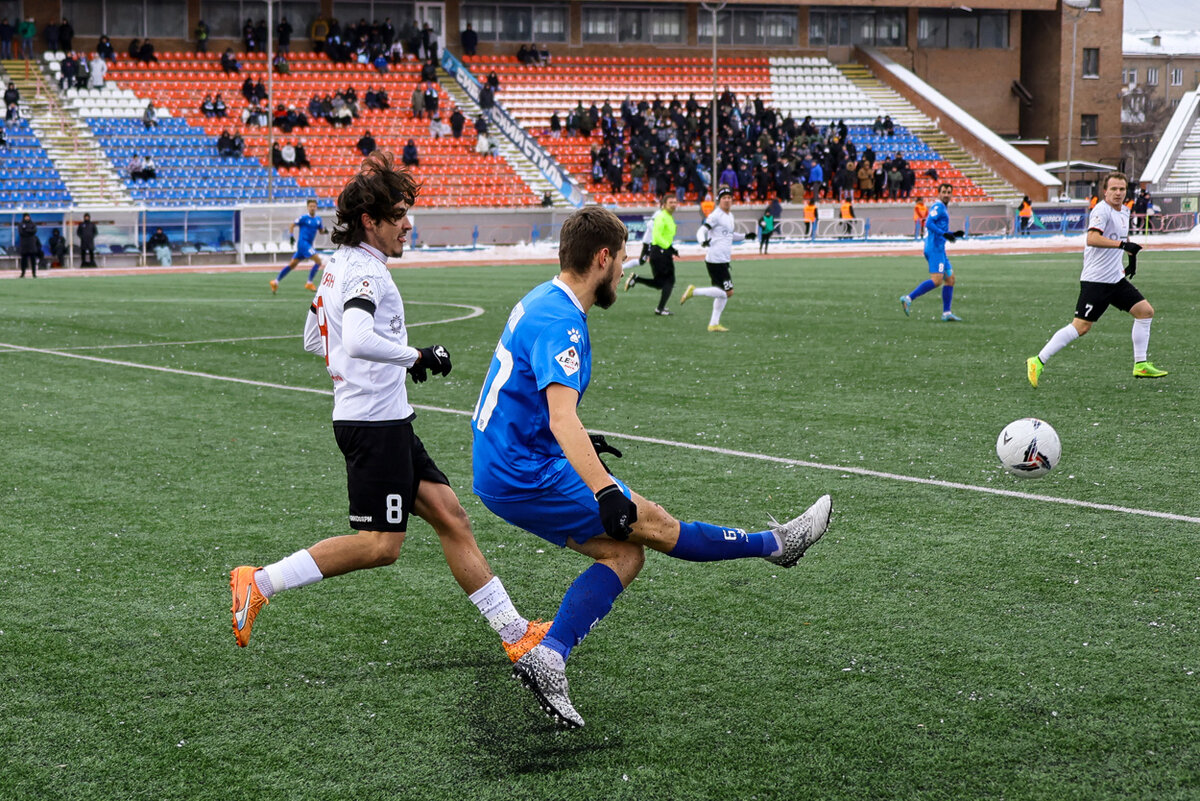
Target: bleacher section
(27, 176)
(451, 172)
(814, 87)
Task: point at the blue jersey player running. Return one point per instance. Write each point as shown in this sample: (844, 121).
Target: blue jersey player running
(310, 225)
(536, 466)
(941, 273)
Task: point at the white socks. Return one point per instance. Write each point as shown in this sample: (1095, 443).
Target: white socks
(289, 573)
(1062, 337)
(494, 604)
(1141, 339)
(719, 300)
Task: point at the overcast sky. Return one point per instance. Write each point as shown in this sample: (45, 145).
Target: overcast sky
(1168, 15)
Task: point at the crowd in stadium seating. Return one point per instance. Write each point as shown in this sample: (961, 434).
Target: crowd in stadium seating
(289, 154)
(12, 102)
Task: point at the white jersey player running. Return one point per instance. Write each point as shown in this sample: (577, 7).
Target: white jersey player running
(357, 325)
(1104, 282)
(720, 228)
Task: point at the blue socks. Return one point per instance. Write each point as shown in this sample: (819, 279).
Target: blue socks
(947, 297)
(704, 542)
(313, 272)
(589, 598)
(282, 273)
(922, 288)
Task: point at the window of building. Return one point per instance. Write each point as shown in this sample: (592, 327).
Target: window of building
(1177, 77)
(962, 29)
(140, 18)
(1091, 62)
(1152, 76)
(1094, 6)
(516, 22)
(1089, 125)
(747, 26)
(631, 24)
(885, 27)
(1132, 78)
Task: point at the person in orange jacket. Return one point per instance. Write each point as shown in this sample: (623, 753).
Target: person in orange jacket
(920, 212)
(1026, 215)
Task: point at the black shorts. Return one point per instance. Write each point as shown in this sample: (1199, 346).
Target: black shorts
(719, 275)
(1096, 297)
(384, 466)
(662, 265)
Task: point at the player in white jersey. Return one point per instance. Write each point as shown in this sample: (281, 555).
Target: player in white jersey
(1104, 282)
(720, 228)
(357, 325)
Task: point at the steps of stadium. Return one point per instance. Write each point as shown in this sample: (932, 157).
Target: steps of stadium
(525, 169)
(87, 173)
(904, 113)
(1185, 171)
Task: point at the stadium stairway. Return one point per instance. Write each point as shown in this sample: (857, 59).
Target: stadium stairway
(521, 165)
(904, 113)
(80, 162)
(1185, 171)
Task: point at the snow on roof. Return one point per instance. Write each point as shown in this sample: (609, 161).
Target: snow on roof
(1169, 43)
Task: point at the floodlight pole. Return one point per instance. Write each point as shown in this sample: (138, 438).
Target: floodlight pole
(270, 106)
(712, 108)
(1080, 8)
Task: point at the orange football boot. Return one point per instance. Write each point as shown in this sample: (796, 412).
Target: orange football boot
(247, 600)
(533, 635)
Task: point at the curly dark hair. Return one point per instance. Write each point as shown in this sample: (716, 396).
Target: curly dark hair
(584, 233)
(374, 191)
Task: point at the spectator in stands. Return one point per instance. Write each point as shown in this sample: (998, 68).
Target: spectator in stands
(201, 37)
(880, 177)
(317, 33)
(248, 89)
(207, 108)
(86, 231)
(429, 71)
(260, 91)
(3, 138)
(481, 126)
(248, 36)
(493, 81)
(27, 30)
(816, 179)
(280, 64)
(51, 34)
(380, 63)
(366, 144)
(314, 108)
(889, 127)
(469, 40)
(66, 35)
(135, 47)
(376, 99)
(150, 116)
(438, 129)
(728, 178)
(105, 49)
(283, 36)
(277, 156)
(96, 72)
(7, 32)
(431, 99)
(555, 126)
(254, 114)
(160, 246)
(229, 62)
(409, 155)
(484, 145)
(340, 113)
(523, 55)
(279, 118)
(57, 246)
(134, 169)
(149, 168)
(226, 144)
(429, 42)
(544, 55)
(300, 155)
(845, 180)
(146, 53)
(487, 98)
(260, 36)
(418, 101)
(29, 244)
(894, 180)
(68, 71)
(219, 107)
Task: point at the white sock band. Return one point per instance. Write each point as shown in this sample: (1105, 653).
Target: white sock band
(1062, 337)
(718, 307)
(1141, 339)
(291, 572)
(493, 603)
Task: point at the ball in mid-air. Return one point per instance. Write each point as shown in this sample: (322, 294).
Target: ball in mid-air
(1029, 447)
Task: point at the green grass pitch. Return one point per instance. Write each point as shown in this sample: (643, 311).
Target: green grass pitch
(941, 643)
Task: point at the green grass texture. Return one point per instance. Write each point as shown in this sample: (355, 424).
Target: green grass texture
(960, 633)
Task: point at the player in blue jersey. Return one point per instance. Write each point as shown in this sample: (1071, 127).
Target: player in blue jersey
(941, 273)
(536, 466)
(310, 225)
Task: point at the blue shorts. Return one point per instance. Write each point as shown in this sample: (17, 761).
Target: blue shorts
(564, 508)
(304, 252)
(939, 262)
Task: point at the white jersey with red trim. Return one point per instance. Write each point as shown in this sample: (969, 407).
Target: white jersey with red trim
(1103, 265)
(363, 390)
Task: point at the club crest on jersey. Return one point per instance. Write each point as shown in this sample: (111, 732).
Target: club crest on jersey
(575, 335)
(568, 360)
(397, 324)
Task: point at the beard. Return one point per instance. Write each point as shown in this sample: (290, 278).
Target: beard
(606, 295)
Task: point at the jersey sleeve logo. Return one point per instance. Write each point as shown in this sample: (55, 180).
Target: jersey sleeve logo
(364, 290)
(568, 360)
(575, 335)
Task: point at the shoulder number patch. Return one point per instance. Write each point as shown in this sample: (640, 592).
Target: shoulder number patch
(568, 360)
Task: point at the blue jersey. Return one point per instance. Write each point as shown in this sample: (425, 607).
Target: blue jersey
(309, 225)
(937, 225)
(545, 341)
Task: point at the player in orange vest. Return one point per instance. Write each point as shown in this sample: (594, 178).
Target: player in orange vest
(1026, 214)
(920, 212)
(810, 216)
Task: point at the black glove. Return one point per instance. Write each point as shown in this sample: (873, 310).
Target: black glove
(601, 445)
(752, 235)
(617, 513)
(435, 359)
(645, 253)
(1131, 268)
(959, 234)
(1131, 248)
(706, 243)
(292, 240)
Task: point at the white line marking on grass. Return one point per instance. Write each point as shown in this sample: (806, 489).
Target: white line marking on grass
(762, 457)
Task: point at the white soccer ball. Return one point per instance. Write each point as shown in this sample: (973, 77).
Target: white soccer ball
(1029, 448)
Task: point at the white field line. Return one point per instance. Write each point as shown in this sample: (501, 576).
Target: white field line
(762, 457)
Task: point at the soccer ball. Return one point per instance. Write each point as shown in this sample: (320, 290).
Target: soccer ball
(1028, 448)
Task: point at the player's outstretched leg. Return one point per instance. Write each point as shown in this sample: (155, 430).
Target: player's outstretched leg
(800, 533)
(543, 671)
